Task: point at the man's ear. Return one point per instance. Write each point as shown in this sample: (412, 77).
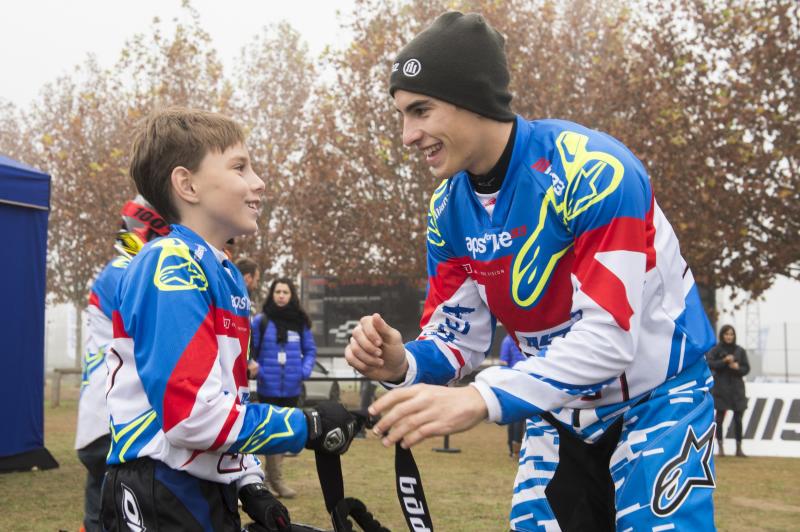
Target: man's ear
(183, 184)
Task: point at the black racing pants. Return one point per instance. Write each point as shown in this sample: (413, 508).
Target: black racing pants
(147, 495)
(581, 492)
(93, 458)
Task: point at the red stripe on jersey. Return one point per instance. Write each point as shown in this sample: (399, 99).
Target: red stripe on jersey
(597, 281)
(190, 373)
(650, 231)
(450, 275)
(457, 354)
(118, 326)
(94, 300)
(226, 427)
(195, 454)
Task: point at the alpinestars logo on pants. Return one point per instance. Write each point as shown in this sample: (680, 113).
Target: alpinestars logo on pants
(690, 469)
(130, 510)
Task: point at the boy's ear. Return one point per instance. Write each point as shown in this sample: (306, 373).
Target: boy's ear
(183, 184)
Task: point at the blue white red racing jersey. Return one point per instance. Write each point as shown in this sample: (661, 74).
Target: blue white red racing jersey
(578, 263)
(178, 389)
(92, 411)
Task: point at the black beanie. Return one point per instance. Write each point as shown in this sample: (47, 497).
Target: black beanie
(459, 59)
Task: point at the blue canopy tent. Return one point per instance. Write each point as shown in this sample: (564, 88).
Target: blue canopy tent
(24, 211)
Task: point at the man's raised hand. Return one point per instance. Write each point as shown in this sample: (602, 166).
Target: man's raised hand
(376, 350)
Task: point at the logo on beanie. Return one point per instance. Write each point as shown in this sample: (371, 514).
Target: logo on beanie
(412, 67)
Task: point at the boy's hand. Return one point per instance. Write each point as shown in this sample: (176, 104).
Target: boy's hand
(376, 350)
(331, 428)
(264, 508)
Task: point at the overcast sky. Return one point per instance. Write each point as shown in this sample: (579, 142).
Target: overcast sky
(41, 39)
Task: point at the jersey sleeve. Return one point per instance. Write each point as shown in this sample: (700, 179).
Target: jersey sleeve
(99, 329)
(605, 202)
(186, 356)
(457, 326)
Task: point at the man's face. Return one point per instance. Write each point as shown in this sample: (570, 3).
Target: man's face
(229, 192)
(251, 280)
(447, 136)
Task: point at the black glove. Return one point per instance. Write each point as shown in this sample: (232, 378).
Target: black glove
(264, 508)
(331, 428)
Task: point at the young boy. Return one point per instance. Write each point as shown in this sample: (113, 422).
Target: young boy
(552, 229)
(140, 224)
(182, 430)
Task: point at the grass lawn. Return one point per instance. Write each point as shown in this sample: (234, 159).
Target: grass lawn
(468, 491)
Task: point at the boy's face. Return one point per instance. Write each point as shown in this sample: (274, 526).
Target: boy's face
(229, 194)
(447, 136)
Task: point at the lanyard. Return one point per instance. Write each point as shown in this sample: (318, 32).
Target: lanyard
(341, 508)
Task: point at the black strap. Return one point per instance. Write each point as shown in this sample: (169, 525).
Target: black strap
(350, 507)
(329, 470)
(410, 492)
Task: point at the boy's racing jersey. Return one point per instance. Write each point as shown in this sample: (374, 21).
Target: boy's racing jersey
(92, 411)
(178, 387)
(578, 263)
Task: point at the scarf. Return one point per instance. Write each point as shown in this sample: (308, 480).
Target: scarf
(285, 318)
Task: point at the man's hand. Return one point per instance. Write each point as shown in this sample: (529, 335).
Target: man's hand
(728, 359)
(423, 410)
(733, 365)
(252, 369)
(331, 428)
(264, 508)
(376, 350)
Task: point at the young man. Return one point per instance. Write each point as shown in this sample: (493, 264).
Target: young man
(249, 269)
(251, 275)
(552, 229)
(182, 429)
(140, 224)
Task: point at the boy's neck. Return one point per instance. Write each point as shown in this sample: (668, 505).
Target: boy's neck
(207, 232)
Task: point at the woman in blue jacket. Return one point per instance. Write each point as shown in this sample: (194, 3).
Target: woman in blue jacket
(285, 351)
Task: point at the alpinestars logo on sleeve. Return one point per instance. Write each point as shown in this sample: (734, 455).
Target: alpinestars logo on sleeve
(177, 269)
(690, 469)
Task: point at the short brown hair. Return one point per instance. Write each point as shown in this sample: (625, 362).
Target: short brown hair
(172, 137)
(247, 265)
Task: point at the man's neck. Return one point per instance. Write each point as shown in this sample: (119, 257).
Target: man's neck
(491, 181)
(494, 139)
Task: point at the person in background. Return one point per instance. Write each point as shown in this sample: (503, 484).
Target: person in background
(509, 356)
(284, 348)
(140, 224)
(729, 364)
(252, 276)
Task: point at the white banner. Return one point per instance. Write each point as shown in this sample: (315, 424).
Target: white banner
(771, 423)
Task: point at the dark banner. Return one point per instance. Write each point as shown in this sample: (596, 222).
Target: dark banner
(336, 305)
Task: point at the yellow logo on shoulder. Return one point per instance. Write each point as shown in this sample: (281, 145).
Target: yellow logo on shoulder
(582, 165)
(177, 269)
